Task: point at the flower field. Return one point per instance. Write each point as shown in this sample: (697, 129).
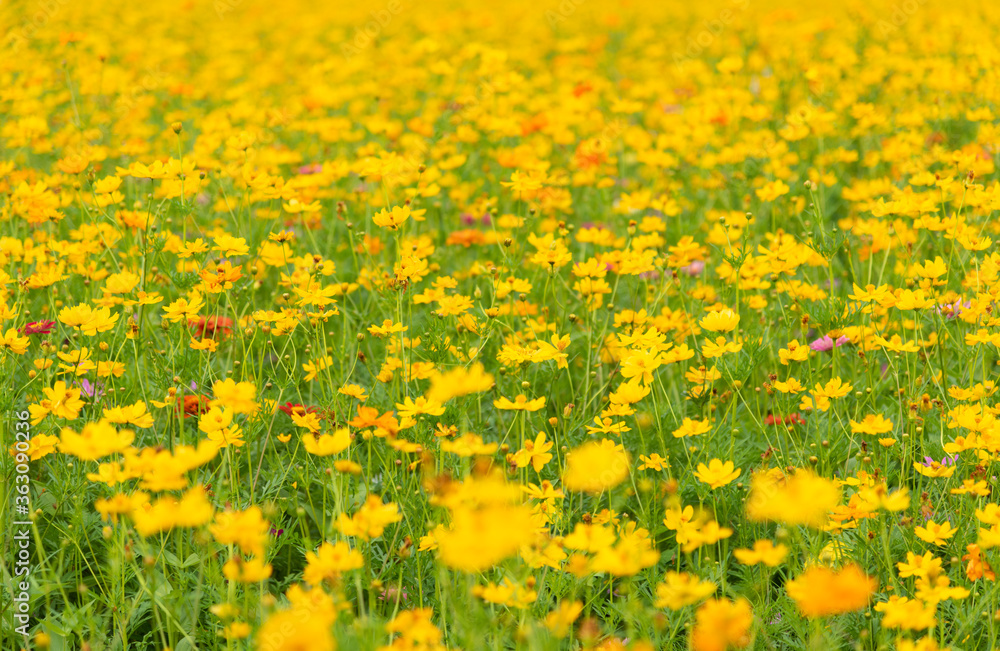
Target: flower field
(525, 325)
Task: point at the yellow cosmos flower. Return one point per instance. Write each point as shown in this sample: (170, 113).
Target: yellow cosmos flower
(393, 218)
(721, 321)
(873, 424)
(764, 551)
(595, 467)
(520, 403)
(680, 589)
(821, 591)
(717, 473)
(935, 534)
(327, 444)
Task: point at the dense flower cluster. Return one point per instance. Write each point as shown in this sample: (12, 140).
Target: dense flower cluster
(457, 325)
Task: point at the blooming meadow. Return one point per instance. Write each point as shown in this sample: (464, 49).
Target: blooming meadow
(457, 325)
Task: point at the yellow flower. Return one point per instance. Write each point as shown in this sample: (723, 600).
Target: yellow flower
(764, 551)
(11, 341)
(87, 320)
(330, 561)
(246, 529)
(907, 614)
(229, 246)
(511, 595)
(691, 427)
(309, 420)
(410, 407)
(821, 591)
(520, 403)
(534, 453)
(871, 424)
(119, 504)
(630, 555)
(802, 499)
(387, 328)
(721, 321)
(459, 381)
(238, 396)
(95, 441)
(721, 624)
(524, 185)
(934, 469)
(327, 444)
(297, 629)
(772, 190)
(708, 533)
(370, 520)
(717, 473)
(392, 218)
(354, 391)
(936, 534)
(468, 445)
(795, 352)
(479, 538)
(640, 365)
(720, 347)
(652, 462)
(217, 423)
(211, 345)
(60, 401)
(595, 467)
(236, 630)
(192, 510)
(835, 388)
(680, 589)
(791, 385)
(135, 414)
(40, 445)
(313, 368)
(897, 345)
(241, 571)
(560, 620)
(989, 514)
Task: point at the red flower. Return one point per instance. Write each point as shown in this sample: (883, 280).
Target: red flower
(212, 326)
(191, 405)
(295, 408)
(38, 328)
(791, 419)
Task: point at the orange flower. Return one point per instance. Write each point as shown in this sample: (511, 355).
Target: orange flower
(821, 591)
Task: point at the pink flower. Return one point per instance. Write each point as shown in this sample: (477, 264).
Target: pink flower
(952, 310)
(825, 343)
(694, 268)
(392, 594)
(91, 390)
(38, 328)
(315, 168)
